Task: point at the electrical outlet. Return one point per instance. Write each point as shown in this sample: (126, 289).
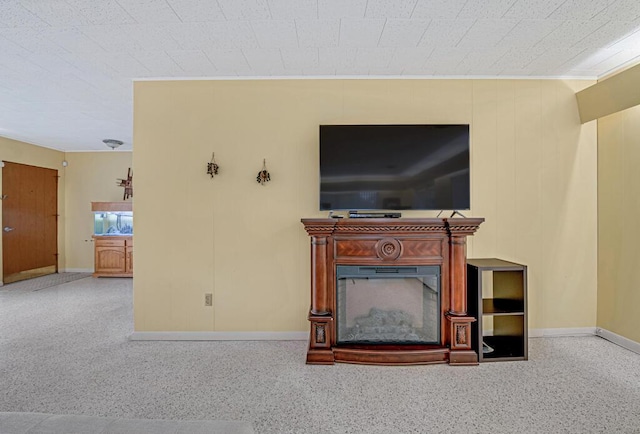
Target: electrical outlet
(208, 299)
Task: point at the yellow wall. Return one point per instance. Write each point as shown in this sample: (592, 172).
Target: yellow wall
(91, 177)
(24, 153)
(611, 95)
(618, 234)
(533, 179)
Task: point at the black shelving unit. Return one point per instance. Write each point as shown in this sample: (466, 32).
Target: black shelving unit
(505, 301)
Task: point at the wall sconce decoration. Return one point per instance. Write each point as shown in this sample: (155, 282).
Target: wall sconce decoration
(263, 175)
(127, 184)
(212, 167)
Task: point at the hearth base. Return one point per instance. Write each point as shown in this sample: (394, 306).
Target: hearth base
(391, 356)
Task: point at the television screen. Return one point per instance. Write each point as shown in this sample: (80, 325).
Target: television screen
(394, 167)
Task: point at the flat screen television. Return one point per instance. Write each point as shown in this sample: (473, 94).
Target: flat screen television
(394, 167)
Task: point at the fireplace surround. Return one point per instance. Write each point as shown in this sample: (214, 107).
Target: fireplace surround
(390, 291)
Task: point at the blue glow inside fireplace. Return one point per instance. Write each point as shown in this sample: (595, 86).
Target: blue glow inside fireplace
(388, 304)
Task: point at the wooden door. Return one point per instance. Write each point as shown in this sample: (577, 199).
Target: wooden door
(29, 221)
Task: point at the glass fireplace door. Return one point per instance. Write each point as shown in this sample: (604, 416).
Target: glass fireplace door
(388, 305)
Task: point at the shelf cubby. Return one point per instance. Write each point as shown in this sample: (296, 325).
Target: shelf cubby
(497, 297)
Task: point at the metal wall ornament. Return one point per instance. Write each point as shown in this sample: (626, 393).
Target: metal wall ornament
(263, 176)
(127, 184)
(212, 167)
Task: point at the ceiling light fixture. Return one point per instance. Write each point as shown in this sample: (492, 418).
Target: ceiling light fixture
(112, 143)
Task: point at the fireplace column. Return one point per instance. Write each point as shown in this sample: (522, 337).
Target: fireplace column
(320, 314)
(459, 321)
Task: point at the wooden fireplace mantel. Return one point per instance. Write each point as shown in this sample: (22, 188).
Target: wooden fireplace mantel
(390, 241)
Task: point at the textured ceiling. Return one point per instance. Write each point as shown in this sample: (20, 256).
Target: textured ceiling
(66, 66)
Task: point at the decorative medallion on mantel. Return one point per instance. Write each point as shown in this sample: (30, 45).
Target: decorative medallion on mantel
(388, 249)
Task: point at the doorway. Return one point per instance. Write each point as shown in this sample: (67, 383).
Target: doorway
(29, 221)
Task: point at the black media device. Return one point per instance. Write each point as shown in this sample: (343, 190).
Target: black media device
(367, 215)
(394, 167)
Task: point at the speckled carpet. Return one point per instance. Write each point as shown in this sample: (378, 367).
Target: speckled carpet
(44, 282)
(40, 423)
(65, 350)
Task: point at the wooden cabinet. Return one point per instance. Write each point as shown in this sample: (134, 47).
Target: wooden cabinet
(128, 260)
(113, 256)
(497, 296)
(113, 235)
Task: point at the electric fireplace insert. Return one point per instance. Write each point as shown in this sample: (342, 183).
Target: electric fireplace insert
(388, 304)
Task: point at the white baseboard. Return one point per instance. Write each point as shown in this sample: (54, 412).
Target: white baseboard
(619, 340)
(303, 336)
(219, 336)
(569, 331)
(75, 270)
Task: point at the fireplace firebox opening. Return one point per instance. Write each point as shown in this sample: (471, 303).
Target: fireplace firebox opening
(388, 305)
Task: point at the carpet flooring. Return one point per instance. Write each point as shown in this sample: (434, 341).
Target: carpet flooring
(41, 423)
(65, 350)
(44, 282)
